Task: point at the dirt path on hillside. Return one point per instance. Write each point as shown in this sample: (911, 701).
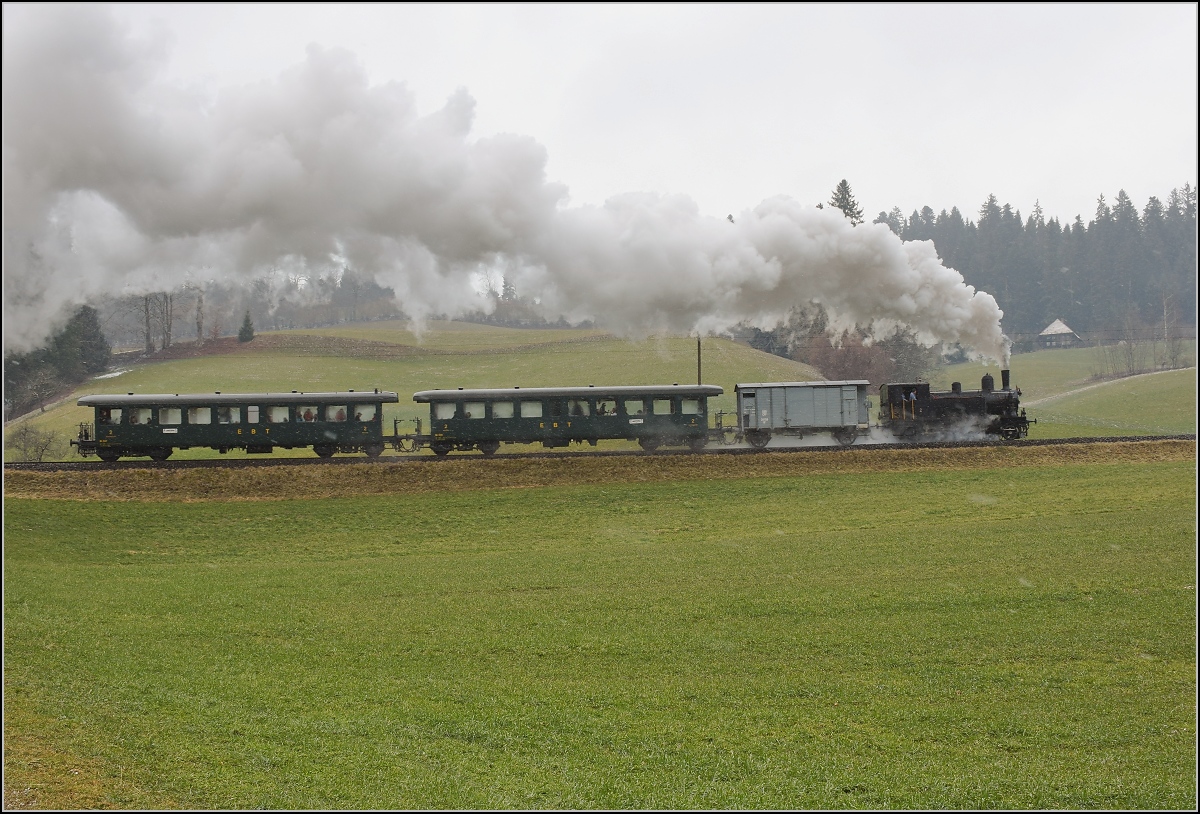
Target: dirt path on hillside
(1047, 399)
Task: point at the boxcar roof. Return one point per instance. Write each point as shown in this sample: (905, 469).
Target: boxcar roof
(295, 397)
(749, 385)
(570, 392)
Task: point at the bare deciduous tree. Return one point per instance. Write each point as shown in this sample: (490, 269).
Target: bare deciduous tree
(28, 443)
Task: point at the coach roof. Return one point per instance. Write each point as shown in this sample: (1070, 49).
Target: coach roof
(294, 397)
(591, 391)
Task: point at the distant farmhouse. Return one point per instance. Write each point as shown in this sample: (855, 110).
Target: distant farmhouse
(1058, 335)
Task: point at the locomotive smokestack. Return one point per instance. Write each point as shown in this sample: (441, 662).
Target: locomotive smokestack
(1003, 379)
(988, 384)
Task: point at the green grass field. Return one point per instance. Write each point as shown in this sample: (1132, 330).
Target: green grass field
(1155, 404)
(1021, 637)
(1041, 374)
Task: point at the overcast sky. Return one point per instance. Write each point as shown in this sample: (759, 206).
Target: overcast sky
(590, 153)
(915, 105)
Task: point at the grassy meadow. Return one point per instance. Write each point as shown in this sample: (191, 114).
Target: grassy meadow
(930, 629)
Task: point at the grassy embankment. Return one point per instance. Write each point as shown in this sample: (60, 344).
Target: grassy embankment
(999, 628)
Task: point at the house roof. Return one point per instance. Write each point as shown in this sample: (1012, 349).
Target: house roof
(1056, 327)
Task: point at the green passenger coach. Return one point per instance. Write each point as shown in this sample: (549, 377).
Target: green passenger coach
(153, 425)
(654, 416)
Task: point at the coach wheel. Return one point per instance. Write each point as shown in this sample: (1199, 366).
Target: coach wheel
(160, 453)
(373, 450)
(108, 455)
(440, 447)
(729, 436)
(846, 437)
(649, 444)
(697, 444)
(758, 438)
(488, 448)
(324, 450)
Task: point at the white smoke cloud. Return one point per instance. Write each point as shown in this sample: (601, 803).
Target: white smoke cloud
(115, 182)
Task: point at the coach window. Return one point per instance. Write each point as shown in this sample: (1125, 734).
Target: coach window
(277, 415)
(444, 410)
(606, 407)
(662, 407)
(689, 406)
(335, 412)
(364, 412)
(634, 407)
(531, 409)
(199, 415)
(307, 412)
(502, 409)
(579, 407)
(473, 409)
(557, 408)
(170, 415)
(252, 413)
(229, 415)
(139, 415)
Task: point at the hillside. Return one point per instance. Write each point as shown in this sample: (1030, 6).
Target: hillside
(446, 355)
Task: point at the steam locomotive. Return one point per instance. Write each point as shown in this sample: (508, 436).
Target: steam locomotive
(912, 411)
(351, 421)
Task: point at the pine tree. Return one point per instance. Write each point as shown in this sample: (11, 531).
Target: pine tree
(843, 199)
(246, 332)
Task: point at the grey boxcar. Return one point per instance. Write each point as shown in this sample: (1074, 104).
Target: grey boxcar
(802, 408)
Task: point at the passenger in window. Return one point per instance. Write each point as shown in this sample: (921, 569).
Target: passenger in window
(133, 419)
(576, 410)
(341, 414)
(308, 416)
(358, 415)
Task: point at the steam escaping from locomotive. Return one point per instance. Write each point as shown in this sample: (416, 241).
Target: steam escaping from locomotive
(116, 182)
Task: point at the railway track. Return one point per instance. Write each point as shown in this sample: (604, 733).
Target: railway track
(423, 458)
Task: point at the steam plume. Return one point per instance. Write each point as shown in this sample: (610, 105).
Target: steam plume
(115, 182)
